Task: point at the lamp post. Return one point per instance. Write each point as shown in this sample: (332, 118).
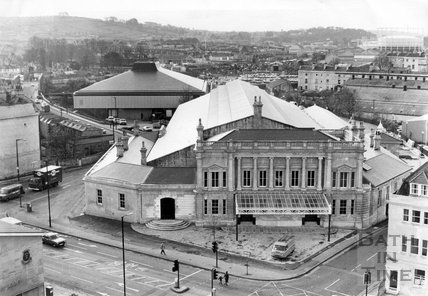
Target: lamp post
(49, 198)
(17, 166)
(114, 117)
(123, 254)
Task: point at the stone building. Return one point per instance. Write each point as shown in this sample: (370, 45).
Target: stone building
(21, 261)
(237, 154)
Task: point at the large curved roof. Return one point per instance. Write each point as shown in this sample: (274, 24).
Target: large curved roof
(227, 103)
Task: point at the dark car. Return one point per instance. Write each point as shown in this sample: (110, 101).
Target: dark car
(52, 238)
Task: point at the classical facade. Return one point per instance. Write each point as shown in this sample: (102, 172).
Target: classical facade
(239, 154)
(407, 250)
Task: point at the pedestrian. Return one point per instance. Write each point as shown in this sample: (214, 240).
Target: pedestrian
(163, 249)
(226, 278)
(220, 279)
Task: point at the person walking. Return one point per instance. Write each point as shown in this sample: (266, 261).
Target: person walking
(162, 247)
(226, 278)
(220, 279)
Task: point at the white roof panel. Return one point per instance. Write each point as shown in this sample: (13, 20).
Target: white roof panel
(325, 119)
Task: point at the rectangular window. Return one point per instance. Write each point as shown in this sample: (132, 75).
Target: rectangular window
(205, 206)
(379, 198)
(405, 215)
(279, 178)
(414, 245)
(424, 190)
(416, 216)
(99, 196)
(425, 217)
(294, 178)
(247, 179)
(205, 179)
(334, 179)
(214, 206)
(121, 201)
(403, 243)
(214, 179)
(224, 179)
(352, 179)
(343, 179)
(419, 278)
(262, 178)
(311, 179)
(224, 206)
(414, 189)
(424, 247)
(333, 207)
(342, 207)
(352, 206)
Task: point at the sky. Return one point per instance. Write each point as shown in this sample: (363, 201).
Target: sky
(238, 15)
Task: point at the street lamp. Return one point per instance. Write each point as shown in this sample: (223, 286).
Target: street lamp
(17, 166)
(49, 198)
(123, 254)
(114, 117)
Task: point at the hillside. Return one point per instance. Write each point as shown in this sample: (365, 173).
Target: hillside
(15, 29)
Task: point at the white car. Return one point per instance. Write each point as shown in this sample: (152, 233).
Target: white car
(147, 128)
(122, 121)
(110, 118)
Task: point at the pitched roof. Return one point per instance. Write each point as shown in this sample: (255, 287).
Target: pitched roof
(325, 118)
(130, 173)
(276, 135)
(227, 103)
(384, 168)
(165, 175)
(420, 175)
(7, 229)
(144, 79)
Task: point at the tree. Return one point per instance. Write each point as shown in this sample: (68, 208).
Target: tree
(347, 103)
(113, 59)
(383, 63)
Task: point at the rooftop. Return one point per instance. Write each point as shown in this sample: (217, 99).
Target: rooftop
(276, 135)
(165, 175)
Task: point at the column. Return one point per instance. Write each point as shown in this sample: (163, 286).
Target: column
(359, 173)
(238, 185)
(254, 173)
(303, 173)
(319, 173)
(328, 172)
(230, 172)
(199, 173)
(287, 173)
(271, 176)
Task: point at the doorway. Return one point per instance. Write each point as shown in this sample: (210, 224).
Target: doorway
(167, 207)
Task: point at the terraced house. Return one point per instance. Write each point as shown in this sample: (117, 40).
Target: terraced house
(238, 154)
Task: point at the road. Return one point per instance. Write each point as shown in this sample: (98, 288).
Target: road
(94, 268)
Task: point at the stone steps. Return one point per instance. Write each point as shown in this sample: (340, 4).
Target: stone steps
(167, 225)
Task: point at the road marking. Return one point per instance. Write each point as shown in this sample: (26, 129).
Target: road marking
(120, 291)
(92, 246)
(167, 270)
(82, 279)
(74, 246)
(198, 271)
(102, 293)
(141, 263)
(75, 251)
(371, 256)
(332, 284)
(121, 285)
(356, 267)
(112, 256)
(333, 291)
(66, 186)
(52, 270)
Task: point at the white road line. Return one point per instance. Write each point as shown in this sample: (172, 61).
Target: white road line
(198, 271)
(52, 270)
(154, 281)
(82, 279)
(356, 267)
(141, 263)
(167, 270)
(107, 254)
(167, 284)
(332, 284)
(66, 186)
(74, 246)
(372, 256)
(120, 291)
(75, 251)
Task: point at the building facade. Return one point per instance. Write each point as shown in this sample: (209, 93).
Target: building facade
(407, 250)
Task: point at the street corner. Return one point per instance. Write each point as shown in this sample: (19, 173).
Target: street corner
(180, 290)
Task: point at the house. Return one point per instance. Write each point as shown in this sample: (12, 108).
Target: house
(237, 154)
(407, 249)
(21, 261)
(279, 87)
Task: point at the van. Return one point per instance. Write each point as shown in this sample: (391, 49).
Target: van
(11, 191)
(283, 247)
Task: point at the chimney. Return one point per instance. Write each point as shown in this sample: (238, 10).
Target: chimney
(143, 152)
(377, 141)
(200, 129)
(125, 141)
(119, 148)
(257, 112)
(372, 134)
(361, 130)
(162, 131)
(136, 128)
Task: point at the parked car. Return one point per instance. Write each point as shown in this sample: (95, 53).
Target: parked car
(52, 238)
(283, 247)
(110, 119)
(122, 121)
(11, 191)
(147, 128)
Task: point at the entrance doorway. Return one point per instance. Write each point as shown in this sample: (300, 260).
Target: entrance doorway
(311, 218)
(167, 208)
